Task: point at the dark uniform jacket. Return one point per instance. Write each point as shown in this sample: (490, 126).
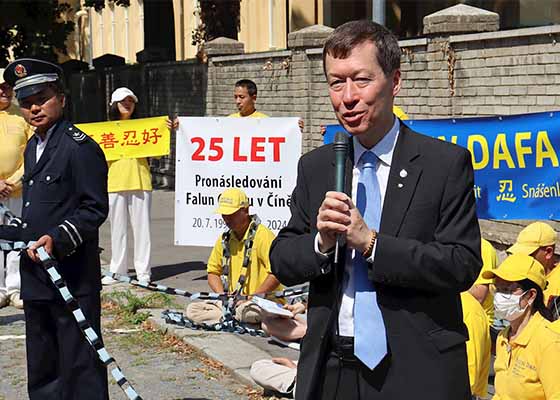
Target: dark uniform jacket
(427, 252)
(64, 196)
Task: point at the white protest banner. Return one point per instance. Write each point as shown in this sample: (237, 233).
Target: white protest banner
(257, 155)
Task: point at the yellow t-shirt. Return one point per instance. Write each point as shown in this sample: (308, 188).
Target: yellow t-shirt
(555, 326)
(129, 174)
(256, 114)
(14, 134)
(399, 113)
(479, 344)
(553, 286)
(259, 266)
(489, 262)
(527, 367)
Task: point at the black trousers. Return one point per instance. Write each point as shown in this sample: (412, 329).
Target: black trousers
(398, 376)
(346, 377)
(61, 365)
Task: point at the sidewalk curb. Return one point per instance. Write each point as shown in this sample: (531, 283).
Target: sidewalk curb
(235, 354)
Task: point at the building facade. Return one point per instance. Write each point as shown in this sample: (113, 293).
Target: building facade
(164, 28)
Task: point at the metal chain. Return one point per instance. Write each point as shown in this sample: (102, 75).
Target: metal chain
(91, 336)
(51, 266)
(226, 255)
(291, 292)
(228, 325)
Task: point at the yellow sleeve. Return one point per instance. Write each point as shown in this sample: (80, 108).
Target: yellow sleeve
(265, 238)
(15, 178)
(472, 353)
(548, 370)
(489, 262)
(399, 112)
(214, 265)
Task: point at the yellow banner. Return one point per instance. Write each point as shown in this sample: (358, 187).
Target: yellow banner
(133, 138)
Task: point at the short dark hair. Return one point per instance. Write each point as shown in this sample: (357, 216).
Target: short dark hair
(247, 84)
(351, 34)
(115, 114)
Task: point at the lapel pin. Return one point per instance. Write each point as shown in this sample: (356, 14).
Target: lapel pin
(403, 173)
(400, 185)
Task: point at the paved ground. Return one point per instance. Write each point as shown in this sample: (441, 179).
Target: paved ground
(180, 266)
(181, 365)
(158, 366)
(190, 365)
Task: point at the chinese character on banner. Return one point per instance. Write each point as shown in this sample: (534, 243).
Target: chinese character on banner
(130, 139)
(151, 136)
(506, 191)
(108, 140)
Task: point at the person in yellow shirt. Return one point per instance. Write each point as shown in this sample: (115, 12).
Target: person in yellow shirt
(480, 290)
(528, 350)
(538, 240)
(130, 197)
(14, 133)
(249, 277)
(479, 344)
(245, 96)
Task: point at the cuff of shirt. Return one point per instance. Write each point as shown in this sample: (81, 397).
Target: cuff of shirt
(319, 252)
(372, 257)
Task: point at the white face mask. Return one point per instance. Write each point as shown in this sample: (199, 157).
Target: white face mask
(507, 307)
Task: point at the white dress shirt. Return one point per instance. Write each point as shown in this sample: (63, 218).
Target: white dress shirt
(42, 144)
(384, 151)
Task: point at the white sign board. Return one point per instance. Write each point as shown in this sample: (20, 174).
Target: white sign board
(257, 155)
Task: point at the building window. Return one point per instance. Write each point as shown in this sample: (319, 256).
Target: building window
(405, 17)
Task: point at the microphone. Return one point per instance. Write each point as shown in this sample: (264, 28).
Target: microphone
(340, 146)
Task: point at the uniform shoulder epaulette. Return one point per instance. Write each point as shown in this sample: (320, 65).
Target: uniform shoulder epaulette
(76, 134)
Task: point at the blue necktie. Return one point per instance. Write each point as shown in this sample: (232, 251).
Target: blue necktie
(370, 342)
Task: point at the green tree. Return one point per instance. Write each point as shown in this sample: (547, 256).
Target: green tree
(33, 28)
(217, 18)
(100, 4)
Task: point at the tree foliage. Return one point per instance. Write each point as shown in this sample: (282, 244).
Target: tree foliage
(217, 18)
(33, 28)
(100, 4)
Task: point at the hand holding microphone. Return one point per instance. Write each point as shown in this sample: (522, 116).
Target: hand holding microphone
(338, 220)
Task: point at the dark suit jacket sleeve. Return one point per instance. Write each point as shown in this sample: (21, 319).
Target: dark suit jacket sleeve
(451, 262)
(292, 254)
(10, 233)
(89, 170)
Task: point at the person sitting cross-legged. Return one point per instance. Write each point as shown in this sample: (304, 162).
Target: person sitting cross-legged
(227, 260)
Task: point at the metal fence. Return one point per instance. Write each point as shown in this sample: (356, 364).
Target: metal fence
(170, 88)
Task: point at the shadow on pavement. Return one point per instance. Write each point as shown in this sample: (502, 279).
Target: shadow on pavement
(193, 398)
(167, 271)
(9, 319)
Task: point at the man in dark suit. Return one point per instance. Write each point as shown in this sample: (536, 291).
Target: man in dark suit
(385, 322)
(64, 203)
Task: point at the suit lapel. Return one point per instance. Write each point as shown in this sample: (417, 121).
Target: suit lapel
(29, 156)
(48, 152)
(403, 177)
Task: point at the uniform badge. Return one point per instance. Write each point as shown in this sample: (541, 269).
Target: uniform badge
(77, 135)
(20, 71)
